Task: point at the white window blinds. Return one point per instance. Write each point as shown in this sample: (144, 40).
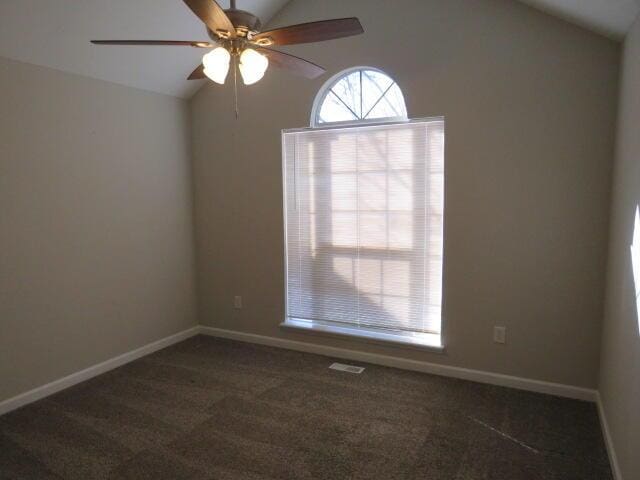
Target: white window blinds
(364, 223)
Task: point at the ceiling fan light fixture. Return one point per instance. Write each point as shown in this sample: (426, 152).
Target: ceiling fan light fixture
(253, 66)
(232, 30)
(216, 64)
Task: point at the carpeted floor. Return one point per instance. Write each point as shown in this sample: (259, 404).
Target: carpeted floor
(217, 409)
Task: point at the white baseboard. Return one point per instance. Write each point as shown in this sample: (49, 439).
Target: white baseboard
(561, 390)
(557, 389)
(75, 378)
(608, 440)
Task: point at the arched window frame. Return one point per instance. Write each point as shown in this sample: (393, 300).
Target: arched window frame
(333, 81)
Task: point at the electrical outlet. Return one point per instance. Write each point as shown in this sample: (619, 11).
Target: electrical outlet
(500, 334)
(237, 301)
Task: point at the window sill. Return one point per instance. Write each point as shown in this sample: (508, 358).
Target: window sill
(422, 341)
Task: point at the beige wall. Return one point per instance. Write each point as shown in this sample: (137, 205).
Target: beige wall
(96, 244)
(530, 104)
(620, 363)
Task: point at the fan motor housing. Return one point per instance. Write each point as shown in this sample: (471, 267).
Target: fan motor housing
(244, 22)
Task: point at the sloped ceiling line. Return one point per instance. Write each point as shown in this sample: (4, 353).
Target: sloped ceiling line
(611, 18)
(56, 34)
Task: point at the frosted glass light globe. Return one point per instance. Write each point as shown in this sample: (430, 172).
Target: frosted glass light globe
(216, 64)
(253, 65)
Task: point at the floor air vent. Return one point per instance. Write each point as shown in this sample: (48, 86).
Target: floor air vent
(346, 368)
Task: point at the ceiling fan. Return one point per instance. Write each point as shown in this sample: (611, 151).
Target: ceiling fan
(235, 34)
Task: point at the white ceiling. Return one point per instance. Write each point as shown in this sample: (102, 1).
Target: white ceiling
(612, 18)
(56, 34)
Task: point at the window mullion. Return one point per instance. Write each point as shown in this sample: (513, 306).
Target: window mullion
(378, 101)
(343, 102)
(361, 106)
(357, 277)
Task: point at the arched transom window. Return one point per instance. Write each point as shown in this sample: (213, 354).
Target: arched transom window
(359, 94)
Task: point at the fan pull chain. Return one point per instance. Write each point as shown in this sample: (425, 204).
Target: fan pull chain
(235, 84)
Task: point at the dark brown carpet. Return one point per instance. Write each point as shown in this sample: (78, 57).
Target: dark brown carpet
(217, 409)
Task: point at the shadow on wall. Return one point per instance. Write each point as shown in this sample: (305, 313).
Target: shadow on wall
(635, 263)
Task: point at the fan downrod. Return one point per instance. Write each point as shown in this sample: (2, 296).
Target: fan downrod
(245, 23)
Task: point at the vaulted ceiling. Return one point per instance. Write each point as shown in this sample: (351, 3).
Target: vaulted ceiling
(612, 18)
(56, 33)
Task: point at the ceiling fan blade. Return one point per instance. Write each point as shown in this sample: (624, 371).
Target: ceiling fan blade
(312, 32)
(212, 15)
(198, 73)
(176, 43)
(293, 64)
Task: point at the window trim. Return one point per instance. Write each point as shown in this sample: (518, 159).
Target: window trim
(326, 89)
(366, 334)
(431, 342)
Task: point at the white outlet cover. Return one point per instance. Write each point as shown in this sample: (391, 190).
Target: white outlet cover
(500, 334)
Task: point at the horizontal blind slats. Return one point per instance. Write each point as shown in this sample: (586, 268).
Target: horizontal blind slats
(364, 220)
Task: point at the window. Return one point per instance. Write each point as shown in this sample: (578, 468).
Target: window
(364, 227)
(635, 262)
(359, 94)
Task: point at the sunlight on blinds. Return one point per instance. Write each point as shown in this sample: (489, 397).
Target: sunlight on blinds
(364, 225)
